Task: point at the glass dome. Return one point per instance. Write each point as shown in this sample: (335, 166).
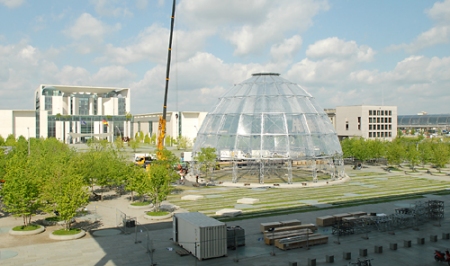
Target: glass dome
(269, 128)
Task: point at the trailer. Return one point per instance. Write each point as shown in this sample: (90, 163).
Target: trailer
(202, 236)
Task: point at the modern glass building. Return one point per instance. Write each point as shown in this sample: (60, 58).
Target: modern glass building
(75, 114)
(268, 129)
(425, 122)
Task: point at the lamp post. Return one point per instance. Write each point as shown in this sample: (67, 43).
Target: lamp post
(28, 140)
(120, 132)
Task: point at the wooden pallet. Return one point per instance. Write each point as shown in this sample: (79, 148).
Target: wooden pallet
(301, 241)
(270, 238)
(182, 252)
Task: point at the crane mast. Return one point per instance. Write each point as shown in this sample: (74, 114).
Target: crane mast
(162, 119)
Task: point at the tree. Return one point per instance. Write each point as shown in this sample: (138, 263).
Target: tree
(20, 192)
(395, 152)
(440, 155)
(10, 140)
(183, 143)
(158, 182)
(206, 158)
(134, 144)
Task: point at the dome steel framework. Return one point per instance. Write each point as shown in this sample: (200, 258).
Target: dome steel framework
(267, 129)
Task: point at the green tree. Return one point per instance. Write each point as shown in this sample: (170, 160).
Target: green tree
(158, 183)
(10, 140)
(147, 139)
(395, 152)
(134, 144)
(440, 155)
(206, 158)
(2, 141)
(183, 143)
(425, 152)
(119, 143)
(20, 192)
(412, 154)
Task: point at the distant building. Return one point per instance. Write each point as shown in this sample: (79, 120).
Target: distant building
(178, 124)
(424, 122)
(367, 121)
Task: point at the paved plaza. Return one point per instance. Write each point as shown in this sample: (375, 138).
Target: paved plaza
(105, 244)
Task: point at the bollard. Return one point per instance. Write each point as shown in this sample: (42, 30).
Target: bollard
(420, 241)
(363, 252)
(407, 243)
(347, 255)
(393, 246)
(378, 249)
(329, 258)
(433, 238)
(311, 262)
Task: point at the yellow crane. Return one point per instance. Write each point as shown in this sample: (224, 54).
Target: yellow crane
(162, 119)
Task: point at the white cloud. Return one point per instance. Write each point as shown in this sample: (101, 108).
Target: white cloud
(110, 8)
(287, 49)
(250, 26)
(12, 3)
(440, 11)
(152, 44)
(439, 34)
(142, 4)
(335, 48)
(88, 26)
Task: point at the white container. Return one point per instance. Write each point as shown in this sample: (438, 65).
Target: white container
(199, 234)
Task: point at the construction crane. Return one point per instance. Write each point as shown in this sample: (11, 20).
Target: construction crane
(162, 119)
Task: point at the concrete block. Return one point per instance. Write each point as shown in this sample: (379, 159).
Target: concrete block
(393, 246)
(247, 201)
(347, 255)
(311, 262)
(192, 197)
(378, 249)
(420, 241)
(433, 238)
(329, 258)
(445, 236)
(363, 252)
(292, 263)
(407, 243)
(229, 212)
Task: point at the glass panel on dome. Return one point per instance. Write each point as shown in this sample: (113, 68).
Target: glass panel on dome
(256, 125)
(313, 123)
(296, 124)
(229, 124)
(278, 144)
(212, 124)
(274, 124)
(234, 105)
(226, 142)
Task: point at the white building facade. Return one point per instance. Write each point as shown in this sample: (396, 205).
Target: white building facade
(75, 114)
(178, 124)
(367, 121)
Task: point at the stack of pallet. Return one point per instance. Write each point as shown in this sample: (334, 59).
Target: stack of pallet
(300, 241)
(291, 234)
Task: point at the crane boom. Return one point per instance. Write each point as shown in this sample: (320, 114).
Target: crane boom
(162, 119)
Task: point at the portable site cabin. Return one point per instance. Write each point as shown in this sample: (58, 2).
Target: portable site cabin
(202, 236)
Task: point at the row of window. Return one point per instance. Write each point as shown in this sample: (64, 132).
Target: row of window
(380, 120)
(380, 127)
(380, 134)
(380, 112)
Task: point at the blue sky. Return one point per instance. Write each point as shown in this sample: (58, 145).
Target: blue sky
(345, 52)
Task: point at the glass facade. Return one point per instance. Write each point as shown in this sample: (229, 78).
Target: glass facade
(271, 124)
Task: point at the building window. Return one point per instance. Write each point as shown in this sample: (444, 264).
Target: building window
(121, 107)
(390, 127)
(378, 127)
(370, 112)
(370, 127)
(359, 123)
(390, 134)
(346, 125)
(370, 134)
(378, 112)
(378, 120)
(390, 112)
(378, 134)
(390, 120)
(382, 112)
